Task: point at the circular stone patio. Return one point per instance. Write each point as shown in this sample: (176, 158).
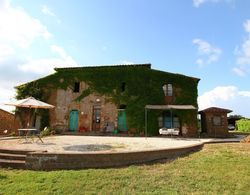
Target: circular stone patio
(97, 144)
(78, 152)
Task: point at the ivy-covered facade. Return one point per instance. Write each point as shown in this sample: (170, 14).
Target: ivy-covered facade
(109, 98)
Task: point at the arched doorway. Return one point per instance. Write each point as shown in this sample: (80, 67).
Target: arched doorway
(73, 120)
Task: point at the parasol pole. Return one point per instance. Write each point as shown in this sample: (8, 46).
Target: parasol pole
(28, 124)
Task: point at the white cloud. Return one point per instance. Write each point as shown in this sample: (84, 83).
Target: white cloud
(243, 54)
(47, 65)
(47, 11)
(245, 93)
(4, 4)
(239, 71)
(19, 29)
(207, 53)
(247, 26)
(198, 3)
(7, 97)
(226, 97)
(5, 52)
(127, 62)
(19, 32)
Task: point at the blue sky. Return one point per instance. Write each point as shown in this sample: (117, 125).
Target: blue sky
(208, 39)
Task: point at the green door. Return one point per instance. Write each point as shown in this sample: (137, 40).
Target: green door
(73, 122)
(122, 121)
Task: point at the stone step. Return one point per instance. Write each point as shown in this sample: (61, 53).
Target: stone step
(14, 151)
(12, 156)
(15, 164)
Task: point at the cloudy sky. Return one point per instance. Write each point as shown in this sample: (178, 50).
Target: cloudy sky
(208, 39)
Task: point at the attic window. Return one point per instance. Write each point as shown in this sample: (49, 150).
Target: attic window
(76, 87)
(168, 89)
(123, 87)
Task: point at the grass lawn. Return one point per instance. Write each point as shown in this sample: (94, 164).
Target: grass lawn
(217, 169)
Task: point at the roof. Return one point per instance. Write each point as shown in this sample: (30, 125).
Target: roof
(169, 107)
(99, 67)
(215, 109)
(6, 111)
(148, 65)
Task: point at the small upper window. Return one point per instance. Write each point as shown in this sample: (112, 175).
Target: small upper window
(169, 90)
(76, 87)
(123, 87)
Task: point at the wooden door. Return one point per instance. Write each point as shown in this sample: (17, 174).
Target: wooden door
(96, 119)
(73, 120)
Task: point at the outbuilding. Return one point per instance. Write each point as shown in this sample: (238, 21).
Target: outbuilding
(8, 124)
(214, 122)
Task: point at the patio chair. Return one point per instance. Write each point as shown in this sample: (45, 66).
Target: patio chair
(37, 134)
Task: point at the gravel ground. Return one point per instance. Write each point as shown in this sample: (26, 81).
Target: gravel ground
(90, 144)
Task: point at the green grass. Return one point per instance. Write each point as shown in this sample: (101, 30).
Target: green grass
(217, 169)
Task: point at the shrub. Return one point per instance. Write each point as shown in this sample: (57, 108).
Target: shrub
(47, 131)
(243, 125)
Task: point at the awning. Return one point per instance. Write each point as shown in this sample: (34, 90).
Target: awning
(169, 107)
(165, 107)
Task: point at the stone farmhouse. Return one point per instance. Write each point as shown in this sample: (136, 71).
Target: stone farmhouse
(115, 98)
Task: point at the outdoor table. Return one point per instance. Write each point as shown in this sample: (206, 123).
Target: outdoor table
(28, 134)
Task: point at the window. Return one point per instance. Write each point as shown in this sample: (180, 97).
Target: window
(217, 121)
(169, 90)
(176, 122)
(122, 106)
(170, 120)
(123, 87)
(76, 87)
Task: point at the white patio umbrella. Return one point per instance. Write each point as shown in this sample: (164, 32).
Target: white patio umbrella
(30, 102)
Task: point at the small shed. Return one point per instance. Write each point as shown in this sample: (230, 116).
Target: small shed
(214, 121)
(7, 122)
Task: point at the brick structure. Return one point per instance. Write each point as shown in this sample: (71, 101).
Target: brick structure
(7, 122)
(214, 121)
(65, 105)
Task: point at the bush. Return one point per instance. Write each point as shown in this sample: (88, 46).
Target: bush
(47, 131)
(243, 125)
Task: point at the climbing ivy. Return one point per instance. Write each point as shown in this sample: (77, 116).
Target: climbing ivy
(142, 86)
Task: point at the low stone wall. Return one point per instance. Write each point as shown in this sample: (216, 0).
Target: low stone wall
(55, 161)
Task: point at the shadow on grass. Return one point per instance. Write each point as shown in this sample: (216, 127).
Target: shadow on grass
(2, 177)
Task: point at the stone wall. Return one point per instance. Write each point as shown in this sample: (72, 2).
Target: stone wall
(64, 101)
(53, 161)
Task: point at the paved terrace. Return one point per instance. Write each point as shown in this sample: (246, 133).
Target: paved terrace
(103, 144)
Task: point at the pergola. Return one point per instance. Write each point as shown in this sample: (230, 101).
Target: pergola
(166, 107)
